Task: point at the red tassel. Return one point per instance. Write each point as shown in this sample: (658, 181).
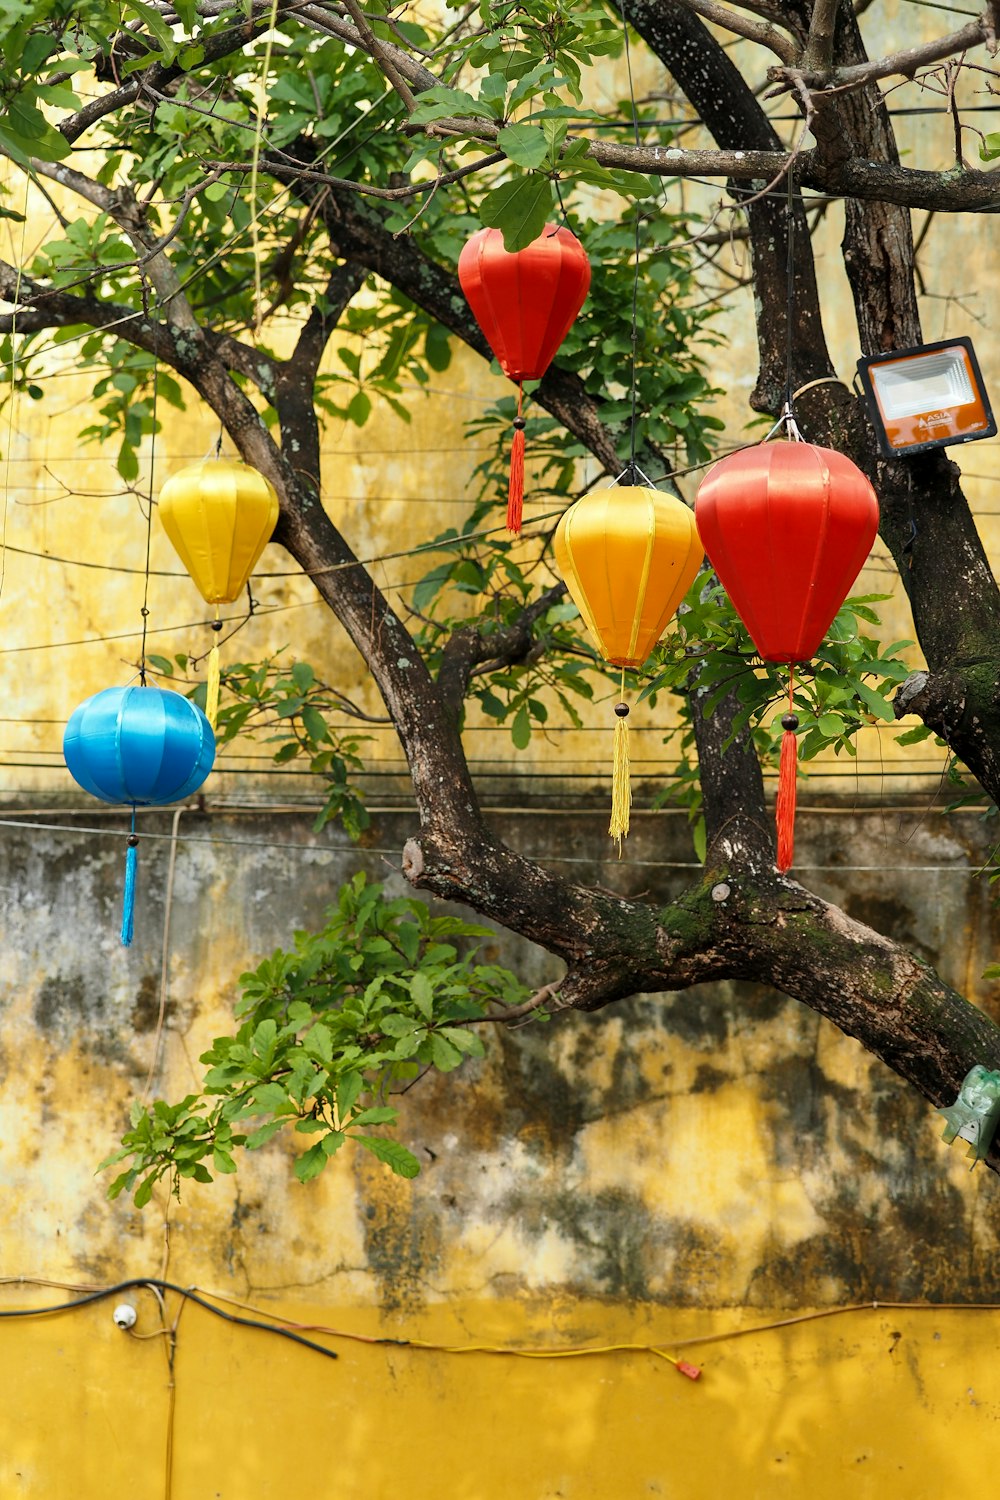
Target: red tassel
(784, 808)
(515, 492)
(784, 812)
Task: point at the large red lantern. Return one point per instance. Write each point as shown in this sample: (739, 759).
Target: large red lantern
(787, 527)
(524, 301)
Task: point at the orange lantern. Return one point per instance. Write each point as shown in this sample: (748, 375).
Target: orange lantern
(628, 555)
(219, 514)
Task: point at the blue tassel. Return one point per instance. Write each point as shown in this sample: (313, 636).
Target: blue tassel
(128, 898)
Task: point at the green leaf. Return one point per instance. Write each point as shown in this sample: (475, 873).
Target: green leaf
(394, 1025)
(258, 1138)
(880, 707)
(359, 409)
(379, 1114)
(402, 1162)
(555, 133)
(144, 1191)
(422, 994)
(314, 724)
(520, 730)
(348, 1089)
(444, 1056)
(437, 348)
(989, 150)
(437, 103)
(830, 725)
(519, 209)
(157, 27)
(311, 1163)
(525, 145)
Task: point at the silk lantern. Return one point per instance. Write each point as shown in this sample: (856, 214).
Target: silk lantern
(787, 527)
(524, 301)
(628, 555)
(142, 746)
(219, 514)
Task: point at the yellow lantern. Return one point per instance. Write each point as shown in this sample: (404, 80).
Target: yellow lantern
(219, 514)
(628, 555)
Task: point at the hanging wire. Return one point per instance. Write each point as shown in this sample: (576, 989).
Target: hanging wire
(13, 386)
(149, 528)
(786, 420)
(631, 470)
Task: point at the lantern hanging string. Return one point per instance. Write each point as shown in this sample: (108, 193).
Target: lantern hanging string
(13, 384)
(149, 526)
(132, 842)
(638, 247)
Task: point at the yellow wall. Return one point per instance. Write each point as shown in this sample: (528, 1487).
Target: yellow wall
(871, 1403)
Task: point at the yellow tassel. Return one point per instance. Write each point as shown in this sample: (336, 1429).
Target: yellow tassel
(212, 689)
(621, 788)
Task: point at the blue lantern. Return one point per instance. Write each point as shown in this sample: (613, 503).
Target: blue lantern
(142, 746)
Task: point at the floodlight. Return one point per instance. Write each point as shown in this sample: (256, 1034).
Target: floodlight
(927, 397)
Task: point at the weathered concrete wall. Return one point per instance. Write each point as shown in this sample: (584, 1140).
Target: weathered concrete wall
(713, 1148)
(672, 1174)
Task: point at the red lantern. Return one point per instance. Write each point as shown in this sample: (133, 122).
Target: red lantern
(524, 301)
(787, 527)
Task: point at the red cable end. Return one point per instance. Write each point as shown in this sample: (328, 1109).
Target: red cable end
(691, 1371)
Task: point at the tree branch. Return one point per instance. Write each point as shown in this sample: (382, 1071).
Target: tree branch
(380, 55)
(854, 76)
(470, 648)
(817, 57)
(764, 34)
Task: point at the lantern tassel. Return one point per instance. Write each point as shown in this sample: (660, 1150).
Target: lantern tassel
(621, 786)
(128, 895)
(213, 679)
(212, 687)
(784, 811)
(515, 489)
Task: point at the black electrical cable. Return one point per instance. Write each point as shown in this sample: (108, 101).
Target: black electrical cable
(153, 1283)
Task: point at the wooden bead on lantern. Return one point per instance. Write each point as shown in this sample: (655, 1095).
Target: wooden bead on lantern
(787, 526)
(141, 746)
(628, 555)
(219, 514)
(524, 301)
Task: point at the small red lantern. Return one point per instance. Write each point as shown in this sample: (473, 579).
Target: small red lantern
(787, 527)
(524, 301)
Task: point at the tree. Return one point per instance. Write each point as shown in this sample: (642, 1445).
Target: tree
(217, 131)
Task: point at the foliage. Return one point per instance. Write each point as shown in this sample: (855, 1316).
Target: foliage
(841, 691)
(287, 707)
(329, 1031)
